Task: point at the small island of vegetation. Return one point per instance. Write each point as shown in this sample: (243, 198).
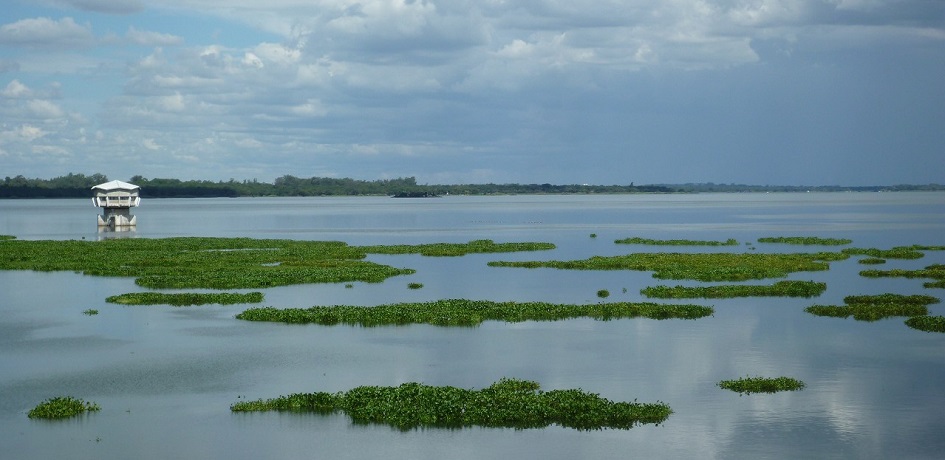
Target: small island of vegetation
(508, 403)
(749, 385)
(462, 312)
(876, 307)
(779, 289)
(185, 299)
(62, 407)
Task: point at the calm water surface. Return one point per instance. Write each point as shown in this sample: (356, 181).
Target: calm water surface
(165, 376)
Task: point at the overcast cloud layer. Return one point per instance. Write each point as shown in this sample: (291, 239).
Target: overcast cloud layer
(788, 92)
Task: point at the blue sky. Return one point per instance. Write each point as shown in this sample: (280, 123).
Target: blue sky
(779, 92)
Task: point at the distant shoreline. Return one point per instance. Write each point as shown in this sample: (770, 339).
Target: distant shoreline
(79, 186)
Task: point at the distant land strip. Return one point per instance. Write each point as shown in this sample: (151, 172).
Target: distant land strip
(79, 186)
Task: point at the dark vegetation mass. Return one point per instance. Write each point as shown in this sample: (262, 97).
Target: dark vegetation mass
(78, 185)
(508, 403)
(462, 312)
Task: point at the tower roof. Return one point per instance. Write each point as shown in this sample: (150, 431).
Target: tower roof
(115, 185)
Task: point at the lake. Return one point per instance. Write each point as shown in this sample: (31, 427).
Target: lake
(165, 376)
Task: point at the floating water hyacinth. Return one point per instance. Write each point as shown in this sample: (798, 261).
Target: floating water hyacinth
(185, 299)
(779, 289)
(806, 240)
(749, 385)
(508, 403)
(462, 312)
(62, 407)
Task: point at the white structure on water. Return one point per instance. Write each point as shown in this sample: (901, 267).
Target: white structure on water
(116, 198)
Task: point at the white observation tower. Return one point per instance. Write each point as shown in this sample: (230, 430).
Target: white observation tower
(116, 198)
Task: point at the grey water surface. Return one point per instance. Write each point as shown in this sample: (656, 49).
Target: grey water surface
(165, 376)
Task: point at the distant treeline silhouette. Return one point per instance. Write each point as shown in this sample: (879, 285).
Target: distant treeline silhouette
(79, 186)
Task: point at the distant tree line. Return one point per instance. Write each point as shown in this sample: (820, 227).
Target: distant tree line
(79, 186)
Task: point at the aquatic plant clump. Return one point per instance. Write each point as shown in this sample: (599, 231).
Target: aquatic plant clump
(697, 266)
(901, 252)
(927, 323)
(185, 299)
(508, 403)
(934, 271)
(7, 237)
(779, 289)
(457, 249)
(806, 240)
(461, 312)
(876, 307)
(62, 407)
(749, 385)
(637, 240)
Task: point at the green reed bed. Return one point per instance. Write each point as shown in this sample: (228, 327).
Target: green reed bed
(935, 271)
(899, 252)
(696, 266)
(185, 299)
(779, 289)
(637, 240)
(461, 312)
(876, 307)
(806, 240)
(457, 249)
(749, 385)
(222, 263)
(508, 403)
(927, 323)
(62, 407)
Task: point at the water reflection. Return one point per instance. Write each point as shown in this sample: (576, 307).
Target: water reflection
(163, 373)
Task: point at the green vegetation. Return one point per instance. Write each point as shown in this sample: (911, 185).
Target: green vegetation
(184, 299)
(461, 312)
(701, 267)
(225, 263)
(508, 403)
(90, 312)
(806, 240)
(603, 293)
(78, 185)
(935, 271)
(901, 252)
(749, 385)
(876, 307)
(7, 237)
(414, 285)
(457, 249)
(779, 289)
(635, 240)
(62, 407)
(927, 323)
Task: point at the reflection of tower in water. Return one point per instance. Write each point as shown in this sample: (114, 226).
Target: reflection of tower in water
(116, 198)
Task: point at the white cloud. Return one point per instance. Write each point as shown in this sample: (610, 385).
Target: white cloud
(15, 89)
(146, 38)
(150, 144)
(45, 32)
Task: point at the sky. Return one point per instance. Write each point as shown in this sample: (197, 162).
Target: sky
(761, 92)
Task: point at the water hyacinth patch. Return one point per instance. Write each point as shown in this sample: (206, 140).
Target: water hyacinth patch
(749, 385)
(457, 249)
(62, 407)
(508, 403)
(806, 240)
(927, 323)
(461, 312)
(779, 289)
(934, 271)
(696, 266)
(185, 299)
(876, 307)
(227, 263)
(637, 240)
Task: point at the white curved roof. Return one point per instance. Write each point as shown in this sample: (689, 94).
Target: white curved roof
(116, 185)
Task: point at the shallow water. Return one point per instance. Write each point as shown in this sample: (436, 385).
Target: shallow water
(165, 376)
